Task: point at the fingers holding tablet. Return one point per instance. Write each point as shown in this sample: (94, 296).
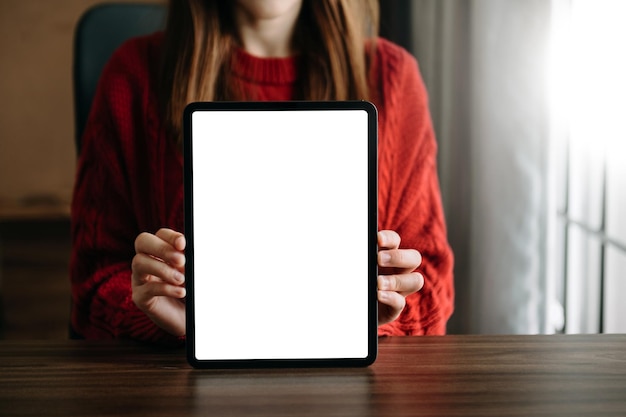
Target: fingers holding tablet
(158, 278)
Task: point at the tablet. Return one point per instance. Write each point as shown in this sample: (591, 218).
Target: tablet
(281, 224)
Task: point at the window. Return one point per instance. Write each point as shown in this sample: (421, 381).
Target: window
(588, 102)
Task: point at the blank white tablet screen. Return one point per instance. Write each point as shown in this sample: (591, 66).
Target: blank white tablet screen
(280, 234)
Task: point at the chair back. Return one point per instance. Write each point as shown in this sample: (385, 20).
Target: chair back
(100, 31)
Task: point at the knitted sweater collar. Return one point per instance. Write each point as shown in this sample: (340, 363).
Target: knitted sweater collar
(276, 71)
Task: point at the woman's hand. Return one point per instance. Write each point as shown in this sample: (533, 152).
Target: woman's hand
(397, 276)
(158, 277)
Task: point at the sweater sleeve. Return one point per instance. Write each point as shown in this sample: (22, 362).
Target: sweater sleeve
(409, 195)
(104, 219)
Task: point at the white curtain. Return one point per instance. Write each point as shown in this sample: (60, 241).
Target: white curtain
(485, 66)
(527, 99)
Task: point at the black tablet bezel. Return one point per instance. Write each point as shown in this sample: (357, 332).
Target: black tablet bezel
(372, 155)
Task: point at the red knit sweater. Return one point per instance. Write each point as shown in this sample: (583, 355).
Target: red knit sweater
(129, 180)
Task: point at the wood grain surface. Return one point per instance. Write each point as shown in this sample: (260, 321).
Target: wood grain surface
(413, 376)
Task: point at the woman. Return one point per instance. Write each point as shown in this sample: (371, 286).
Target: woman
(127, 267)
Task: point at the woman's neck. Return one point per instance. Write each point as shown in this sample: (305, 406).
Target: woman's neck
(265, 32)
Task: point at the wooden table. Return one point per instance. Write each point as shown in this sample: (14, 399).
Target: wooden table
(413, 376)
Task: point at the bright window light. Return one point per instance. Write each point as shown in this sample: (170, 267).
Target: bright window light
(587, 80)
(588, 72)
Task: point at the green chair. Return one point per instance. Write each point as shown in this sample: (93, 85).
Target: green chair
(100, 30)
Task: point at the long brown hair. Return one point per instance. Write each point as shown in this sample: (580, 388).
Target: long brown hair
(200, 35)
